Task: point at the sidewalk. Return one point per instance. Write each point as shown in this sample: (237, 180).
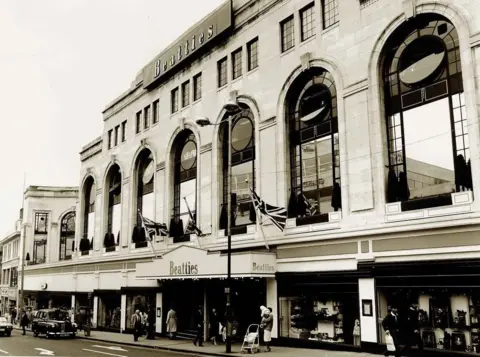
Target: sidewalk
(187, 346)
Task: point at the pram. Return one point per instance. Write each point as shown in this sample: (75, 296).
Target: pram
(251, 341)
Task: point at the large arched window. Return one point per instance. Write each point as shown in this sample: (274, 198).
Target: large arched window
(89, 197)
(184, 185)
(427, 132)
(67, 236)
(145, 171)
(243, 169)
(314, 147)
(114, 219)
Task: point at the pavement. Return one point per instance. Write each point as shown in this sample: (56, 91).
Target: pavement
(122, 345)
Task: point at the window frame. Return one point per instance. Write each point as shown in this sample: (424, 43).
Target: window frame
(252, 54)
(37, 217)
(237, 63)
(117, 129)
(303, 24)
(110, 141)
(138, 123)
(146, 117)
(185, 93)
(65, 234)
(155, 113)
(222, 72)
(197, 87)
(283, 34)
(336, 16)
(174, 94)
(124, 131)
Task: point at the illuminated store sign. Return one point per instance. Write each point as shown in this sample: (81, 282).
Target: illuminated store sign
(214, 25)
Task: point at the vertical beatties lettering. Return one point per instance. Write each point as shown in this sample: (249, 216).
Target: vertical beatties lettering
(194, 44)
(172, 60)
(210, 32)
(201, 39)
(157, 68)
(179, 54)
(165, 66)
(186, 48)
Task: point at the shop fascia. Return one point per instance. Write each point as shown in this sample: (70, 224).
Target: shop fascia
(186, 261)
(216, 24)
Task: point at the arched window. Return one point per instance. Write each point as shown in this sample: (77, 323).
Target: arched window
(145, 167)
(184, 185)
(67, 236)
(90, 195)
(243, 169)
(314, 147)
(427, 132)
(114, 220)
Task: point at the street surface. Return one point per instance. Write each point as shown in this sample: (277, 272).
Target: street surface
(18, 345)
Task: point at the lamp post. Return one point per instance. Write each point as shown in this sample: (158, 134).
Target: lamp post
(231, 108)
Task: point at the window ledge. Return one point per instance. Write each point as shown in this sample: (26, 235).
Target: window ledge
(290, 50)
(148, 248)
(219, 89)
(111, 252)
(80, 256)
(461, 203)
(334, 219)
(308, 40)
(330, 28)
(251, 230)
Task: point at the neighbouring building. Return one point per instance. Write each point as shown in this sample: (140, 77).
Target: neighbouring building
(360, 117)
(10, 246)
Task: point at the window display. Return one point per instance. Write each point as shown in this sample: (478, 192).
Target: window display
(109, 312)
(448, 319)
(324, 319)
(139, 302)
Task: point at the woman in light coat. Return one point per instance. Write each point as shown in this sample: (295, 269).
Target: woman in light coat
(172, 323)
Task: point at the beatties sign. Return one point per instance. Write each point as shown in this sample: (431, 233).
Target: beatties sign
(263, 268)
(183, 269)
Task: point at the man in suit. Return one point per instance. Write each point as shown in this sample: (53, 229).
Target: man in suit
(391, 325)
(199, 323)
(412, 329)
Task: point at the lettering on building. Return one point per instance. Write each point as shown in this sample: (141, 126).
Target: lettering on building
(263, 268)
(186, 268)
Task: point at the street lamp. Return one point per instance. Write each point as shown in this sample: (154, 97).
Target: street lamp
(231, 108)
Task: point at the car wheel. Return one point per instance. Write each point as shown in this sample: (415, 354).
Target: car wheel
(35, 332)
(8, 333)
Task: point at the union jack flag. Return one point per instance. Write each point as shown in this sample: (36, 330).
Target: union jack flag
(192, 223)
(278, 215)
(153, 228)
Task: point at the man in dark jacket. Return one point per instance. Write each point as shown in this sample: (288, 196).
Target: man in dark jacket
(412, 329)
(199, 323)
(151, 323)
(24, 321)
(391, 325)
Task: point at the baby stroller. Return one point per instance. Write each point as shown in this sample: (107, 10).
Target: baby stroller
(251, 341)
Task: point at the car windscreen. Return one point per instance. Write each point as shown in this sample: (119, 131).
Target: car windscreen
(58, 315)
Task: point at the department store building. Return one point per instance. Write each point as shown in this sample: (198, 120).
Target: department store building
(358, 116)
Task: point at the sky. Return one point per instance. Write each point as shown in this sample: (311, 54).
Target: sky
(61, 63)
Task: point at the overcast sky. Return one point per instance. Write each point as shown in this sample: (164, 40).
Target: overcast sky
(61, 63)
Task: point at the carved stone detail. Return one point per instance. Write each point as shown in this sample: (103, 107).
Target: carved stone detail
(305, 60)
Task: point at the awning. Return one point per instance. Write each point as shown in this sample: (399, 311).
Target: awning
(186, 262)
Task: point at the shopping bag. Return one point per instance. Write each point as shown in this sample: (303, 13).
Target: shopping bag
(390, 344)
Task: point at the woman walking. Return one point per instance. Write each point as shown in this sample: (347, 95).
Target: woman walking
(267, 325)
(172, 323)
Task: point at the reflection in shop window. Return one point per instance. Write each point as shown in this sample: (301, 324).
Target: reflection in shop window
(428, 143)
(314, 148)
(109, 312)
(139, 302)
(243, 168)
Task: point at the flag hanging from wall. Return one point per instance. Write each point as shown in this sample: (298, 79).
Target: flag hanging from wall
(153, 228)
(192, 227)
(277, 215)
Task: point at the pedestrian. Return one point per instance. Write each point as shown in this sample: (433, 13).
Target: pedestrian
(172, 323)
(144, 323)
(267, 324)
(13, 315)
(391, 326)
(356, 333)
(412, 330)
(199, 323)
(24, 321)
(137, 325)
(151, 321)
(214, 322)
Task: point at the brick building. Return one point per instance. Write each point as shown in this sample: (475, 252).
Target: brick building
(360, 117)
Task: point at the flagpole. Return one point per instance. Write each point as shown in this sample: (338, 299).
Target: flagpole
(23, 239)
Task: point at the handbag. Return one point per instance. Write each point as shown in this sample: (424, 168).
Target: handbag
(390, 343)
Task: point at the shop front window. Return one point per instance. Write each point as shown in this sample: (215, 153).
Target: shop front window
(425, 109)
(243, 169)
(109, 311)
(448, 318)
(323, 311)
(314, 148)
(140, 302)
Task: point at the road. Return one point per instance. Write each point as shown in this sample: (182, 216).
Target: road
(18, 345)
